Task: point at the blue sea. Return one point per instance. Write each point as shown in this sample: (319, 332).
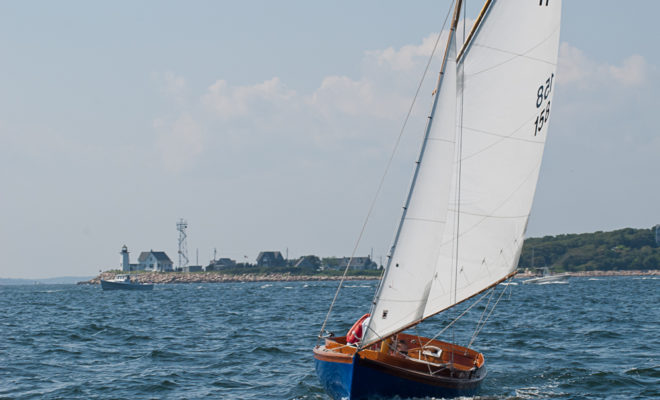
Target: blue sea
(586, 339)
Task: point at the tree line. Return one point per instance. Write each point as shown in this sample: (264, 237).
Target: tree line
(623, 249)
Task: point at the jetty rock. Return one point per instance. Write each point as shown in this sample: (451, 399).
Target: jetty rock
(217, 277)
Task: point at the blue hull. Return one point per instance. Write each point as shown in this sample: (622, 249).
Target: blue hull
(335, 377)
(366, 379)
(107, 285)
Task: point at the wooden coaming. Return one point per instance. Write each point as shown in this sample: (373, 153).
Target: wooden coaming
(453, 357)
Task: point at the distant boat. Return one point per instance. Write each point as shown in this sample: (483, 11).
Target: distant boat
(464, 221)
(545, 276)
(124, 282)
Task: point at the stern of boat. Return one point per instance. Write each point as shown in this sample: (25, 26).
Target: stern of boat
(334, 367)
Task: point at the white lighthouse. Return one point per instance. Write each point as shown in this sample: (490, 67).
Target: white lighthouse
(125, 266)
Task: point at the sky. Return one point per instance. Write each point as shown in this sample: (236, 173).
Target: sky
(267, 126)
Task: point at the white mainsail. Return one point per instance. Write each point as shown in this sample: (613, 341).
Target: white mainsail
(505, 77)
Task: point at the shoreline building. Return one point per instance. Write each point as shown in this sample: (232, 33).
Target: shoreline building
(358, 263)
(155, 261)
(220, 263)
(147, 261)
(270, 259)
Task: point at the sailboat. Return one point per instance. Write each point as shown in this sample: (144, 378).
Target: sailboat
(465, 216)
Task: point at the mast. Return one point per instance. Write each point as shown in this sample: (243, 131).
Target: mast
(450, 45)
(427, 130)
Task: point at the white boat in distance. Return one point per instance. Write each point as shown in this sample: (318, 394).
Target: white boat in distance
(124, 282)
(545, 276)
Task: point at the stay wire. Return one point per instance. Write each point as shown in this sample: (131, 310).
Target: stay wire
(481, 318)
(477, 331)
(382, 179)
(459, 317)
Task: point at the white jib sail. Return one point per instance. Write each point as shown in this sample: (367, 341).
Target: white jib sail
(508, 75)
(407, 282)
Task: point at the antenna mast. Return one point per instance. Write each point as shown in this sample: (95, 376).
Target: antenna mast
(181, 226)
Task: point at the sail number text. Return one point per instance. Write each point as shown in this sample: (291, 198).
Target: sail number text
(542, 95)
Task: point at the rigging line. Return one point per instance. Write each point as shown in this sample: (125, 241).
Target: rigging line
(488, 316)
(485, 309)
(382, 180)
(459, 317)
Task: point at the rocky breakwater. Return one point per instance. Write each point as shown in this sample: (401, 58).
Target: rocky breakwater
(217, 277)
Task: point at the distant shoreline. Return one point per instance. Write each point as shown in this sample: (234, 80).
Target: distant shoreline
(651, 272)
(217, 277)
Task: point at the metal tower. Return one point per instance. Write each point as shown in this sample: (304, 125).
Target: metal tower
(181, 226)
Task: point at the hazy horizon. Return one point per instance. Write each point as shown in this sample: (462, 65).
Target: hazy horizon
(270, 130)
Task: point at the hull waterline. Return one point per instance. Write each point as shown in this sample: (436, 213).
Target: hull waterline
(108, 285)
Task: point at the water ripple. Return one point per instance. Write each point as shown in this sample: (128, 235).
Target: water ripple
(583, 340)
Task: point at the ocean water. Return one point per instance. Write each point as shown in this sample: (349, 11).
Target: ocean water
(587, 339)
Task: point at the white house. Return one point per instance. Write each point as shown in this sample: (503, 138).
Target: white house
(154, 261)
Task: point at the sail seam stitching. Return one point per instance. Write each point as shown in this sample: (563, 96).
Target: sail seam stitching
(439, 221)
(484, 216)
(510, 136)
(492, 216)
(502, 138)
(515, 55)
(441, 140)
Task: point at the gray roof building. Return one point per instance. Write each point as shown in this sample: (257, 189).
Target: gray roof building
(159, 255)
(308, 262)
(154, 261)
(270, 259)
(359, 263)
